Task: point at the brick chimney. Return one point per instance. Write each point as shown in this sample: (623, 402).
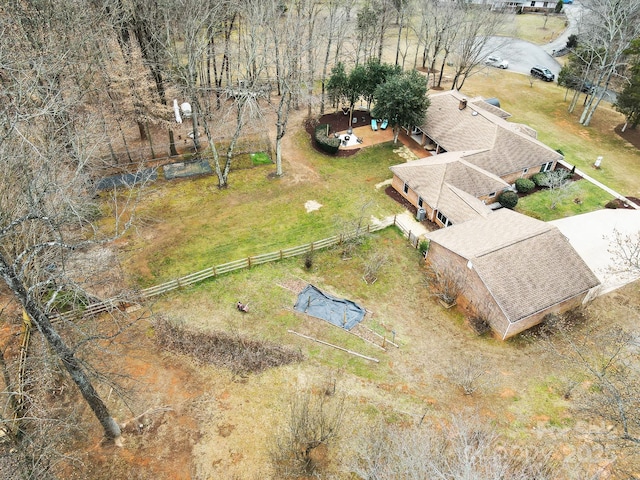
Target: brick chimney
(463, 104)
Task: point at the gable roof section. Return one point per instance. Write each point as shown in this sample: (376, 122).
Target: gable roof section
(534, 274)
(500, 229)
(427, 175)
(458, 206)
(507, 148)
(526, 265)
(512, 153)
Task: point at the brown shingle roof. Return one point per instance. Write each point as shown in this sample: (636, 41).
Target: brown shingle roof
(454, 129)
(497, 111)
(506, 148)
(458, 206)
(526, 265)
(426, 175)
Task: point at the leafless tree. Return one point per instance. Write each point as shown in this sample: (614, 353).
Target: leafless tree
(352, 231)
(437, 34)
(445, 283)
(602, 361)
(460, 448)
(287, 37)
(334, 26)
(47, 200)
(312, 427)
(372, 265)
(477, 27)
(404, 13)
(469, 373)
(607, 29)
(143, 21)
(557, 182)
(35, 418)
(625, 252)
(190, 47)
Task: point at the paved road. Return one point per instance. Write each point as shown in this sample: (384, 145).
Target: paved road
(521, 55)
(573, 13)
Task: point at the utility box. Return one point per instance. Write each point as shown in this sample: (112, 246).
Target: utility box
(420, 214)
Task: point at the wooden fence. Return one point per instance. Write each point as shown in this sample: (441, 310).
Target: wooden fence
(260, 259)
(214, 271)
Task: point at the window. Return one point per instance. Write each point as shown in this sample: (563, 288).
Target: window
(525, 171)
(420, 202)
(445, 221)
(545, 4)
(533, 4)
(546, 167)
(492, 194)
(405, 188)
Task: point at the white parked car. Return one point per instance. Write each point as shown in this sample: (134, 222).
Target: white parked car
(497, 62)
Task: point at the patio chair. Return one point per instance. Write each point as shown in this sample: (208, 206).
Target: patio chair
(374, 124)
(384, 124)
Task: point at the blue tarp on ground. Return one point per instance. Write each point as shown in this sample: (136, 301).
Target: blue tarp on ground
(338, 311)
(127, 179)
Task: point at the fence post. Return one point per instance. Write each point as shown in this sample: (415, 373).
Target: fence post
(248, 262)
(311, 247)
(280, 254)
(394, 220)
(214, 271)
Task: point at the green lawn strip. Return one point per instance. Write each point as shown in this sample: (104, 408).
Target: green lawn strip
(579, 197)
(257, 215)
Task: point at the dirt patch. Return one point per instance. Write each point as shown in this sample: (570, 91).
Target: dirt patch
(631, 135)
(312, 205)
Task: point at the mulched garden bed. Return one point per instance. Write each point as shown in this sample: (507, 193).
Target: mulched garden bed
(338, 122)
(395, 195)
(631, 135)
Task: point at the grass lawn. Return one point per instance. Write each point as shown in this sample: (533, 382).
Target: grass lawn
(190, 224)
(578, 197)
(543, 107)
(538, 29)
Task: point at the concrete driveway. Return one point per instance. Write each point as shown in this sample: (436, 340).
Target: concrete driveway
(591, 235)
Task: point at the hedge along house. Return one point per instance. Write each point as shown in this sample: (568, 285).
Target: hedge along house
(506, 150)
(449, 188)
(511, 270)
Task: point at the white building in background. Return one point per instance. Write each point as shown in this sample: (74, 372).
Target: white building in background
(525, 5)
